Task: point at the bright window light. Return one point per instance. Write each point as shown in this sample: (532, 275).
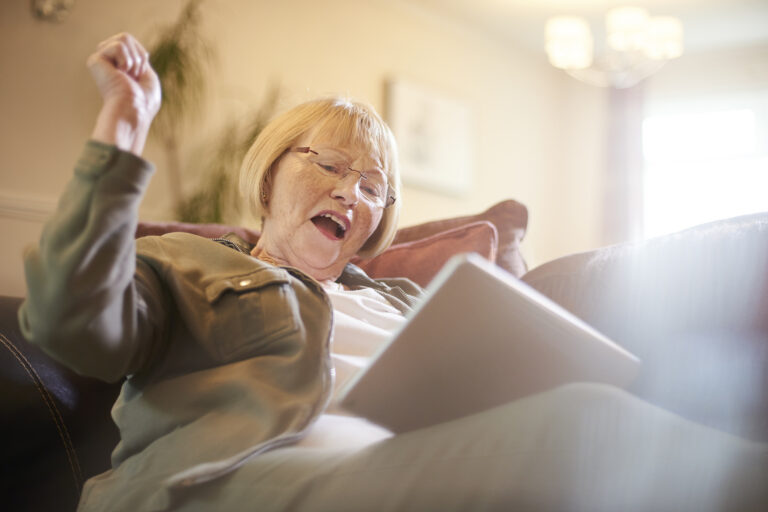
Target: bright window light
(702, 166)
(699, 136)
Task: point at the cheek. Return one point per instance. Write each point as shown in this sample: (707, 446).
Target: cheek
(292, 193)
(373, 223)
(309, 190)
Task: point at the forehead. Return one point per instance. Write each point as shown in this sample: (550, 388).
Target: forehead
(344, 140)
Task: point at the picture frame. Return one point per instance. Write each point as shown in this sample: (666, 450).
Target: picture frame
(434, 135)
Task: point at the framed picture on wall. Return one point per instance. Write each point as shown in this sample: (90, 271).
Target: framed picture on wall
(434, 135)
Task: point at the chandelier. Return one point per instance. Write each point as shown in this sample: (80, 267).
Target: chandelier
(637, 45)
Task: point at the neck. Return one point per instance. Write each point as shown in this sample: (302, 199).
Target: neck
(261, 254)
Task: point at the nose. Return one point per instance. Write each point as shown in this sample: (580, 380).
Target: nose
(347, 189)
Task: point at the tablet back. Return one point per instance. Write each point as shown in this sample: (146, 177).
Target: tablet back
(481, 338)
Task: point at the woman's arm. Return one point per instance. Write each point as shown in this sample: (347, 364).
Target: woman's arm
(88, 304)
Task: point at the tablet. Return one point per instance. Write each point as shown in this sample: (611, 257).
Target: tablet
(479, 339)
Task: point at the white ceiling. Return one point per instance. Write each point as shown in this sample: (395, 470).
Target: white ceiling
(708, 24)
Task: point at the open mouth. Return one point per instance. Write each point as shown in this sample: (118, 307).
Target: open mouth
(330, 225)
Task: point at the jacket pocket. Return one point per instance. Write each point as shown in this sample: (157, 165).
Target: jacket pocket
(251, 312)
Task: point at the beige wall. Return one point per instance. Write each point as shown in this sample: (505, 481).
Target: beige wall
(729, 71)
(538, 136)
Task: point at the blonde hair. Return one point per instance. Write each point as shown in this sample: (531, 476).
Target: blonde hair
(343, 122)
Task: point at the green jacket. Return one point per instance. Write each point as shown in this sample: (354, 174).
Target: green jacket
(225, 356)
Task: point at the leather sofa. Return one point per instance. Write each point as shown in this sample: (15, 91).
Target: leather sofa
(692, 305)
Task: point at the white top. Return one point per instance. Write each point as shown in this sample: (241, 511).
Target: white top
(363, 321)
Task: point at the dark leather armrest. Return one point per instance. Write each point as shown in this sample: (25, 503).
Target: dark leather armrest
(56, 430)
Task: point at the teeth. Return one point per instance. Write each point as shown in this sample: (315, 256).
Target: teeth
(336, 220)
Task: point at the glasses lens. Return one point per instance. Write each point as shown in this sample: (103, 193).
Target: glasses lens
(373, 185)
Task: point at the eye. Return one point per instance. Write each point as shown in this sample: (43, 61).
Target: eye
(371, 187)
(328, 168)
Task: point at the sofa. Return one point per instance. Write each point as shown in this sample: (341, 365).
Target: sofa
(692, 305)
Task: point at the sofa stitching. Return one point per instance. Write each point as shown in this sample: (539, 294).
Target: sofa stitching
(55, 413)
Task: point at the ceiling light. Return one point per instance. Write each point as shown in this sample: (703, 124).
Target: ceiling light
(637, 45)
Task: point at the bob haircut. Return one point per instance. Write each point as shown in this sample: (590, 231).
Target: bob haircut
(344, 122)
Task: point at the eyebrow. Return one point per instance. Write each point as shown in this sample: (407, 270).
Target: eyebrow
(347, 156)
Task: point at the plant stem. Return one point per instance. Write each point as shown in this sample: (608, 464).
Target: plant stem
(173, 163)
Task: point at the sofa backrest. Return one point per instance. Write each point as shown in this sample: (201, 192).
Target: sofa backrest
(693, 305)
(417, 252)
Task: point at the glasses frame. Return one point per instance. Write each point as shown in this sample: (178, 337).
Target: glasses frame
(390, 197)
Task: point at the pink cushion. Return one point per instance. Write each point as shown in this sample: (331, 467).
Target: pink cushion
(420, 260)
(510, 219)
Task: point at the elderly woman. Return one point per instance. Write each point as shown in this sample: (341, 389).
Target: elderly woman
(228, 398)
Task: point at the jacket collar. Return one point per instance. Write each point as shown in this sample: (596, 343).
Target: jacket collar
(352, 276)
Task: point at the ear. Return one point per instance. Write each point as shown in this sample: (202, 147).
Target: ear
(266, 188)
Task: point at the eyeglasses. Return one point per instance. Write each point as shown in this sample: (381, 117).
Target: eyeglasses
(374, 185)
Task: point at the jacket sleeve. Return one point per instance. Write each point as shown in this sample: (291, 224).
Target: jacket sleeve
(88, 305)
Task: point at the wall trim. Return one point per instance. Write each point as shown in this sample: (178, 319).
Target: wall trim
(40, 208)
(29, 208)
